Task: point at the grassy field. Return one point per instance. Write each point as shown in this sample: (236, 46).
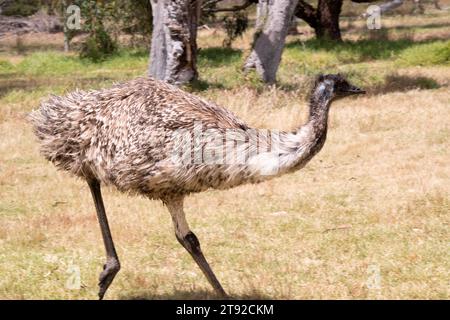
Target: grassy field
(367, 218)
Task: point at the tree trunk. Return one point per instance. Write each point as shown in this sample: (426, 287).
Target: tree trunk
(66, 39)
(307, 13)
(273, 22)
(437, 5)
(65, 29)
(262, 13)
(324, 19)
(173, 53)
(418, 7)
(328, 12)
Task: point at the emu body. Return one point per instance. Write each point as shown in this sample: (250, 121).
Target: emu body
(127, 136)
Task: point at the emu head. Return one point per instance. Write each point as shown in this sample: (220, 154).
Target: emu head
(334, 86)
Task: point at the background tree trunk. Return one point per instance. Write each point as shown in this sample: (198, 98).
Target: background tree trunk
(324, 19)
(273, 21)
(437, 5)
(65, 29)
(262, 13)
(328, 12)
(418, 7)
(158, 49)
(173, 54)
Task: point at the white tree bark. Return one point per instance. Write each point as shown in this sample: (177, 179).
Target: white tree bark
(173, 51)
(65, 29)
(158, 50)
(273, 22)
(262, 13)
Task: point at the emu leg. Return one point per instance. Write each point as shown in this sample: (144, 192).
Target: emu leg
(112, 265)
(190, 242)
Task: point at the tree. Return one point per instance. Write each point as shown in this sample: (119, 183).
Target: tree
(324, 19)
(273, 21)
(173, 54)
(328, 12)
(98, 44)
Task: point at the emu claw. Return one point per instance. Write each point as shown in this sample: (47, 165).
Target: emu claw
(106, 277)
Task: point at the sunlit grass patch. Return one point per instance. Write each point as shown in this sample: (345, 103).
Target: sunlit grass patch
(354, 51)
(6, 67)
(50, 63)
(304, 61)
(415, 53)
(436, 53)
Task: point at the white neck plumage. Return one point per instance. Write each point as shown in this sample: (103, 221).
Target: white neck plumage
(291, 151)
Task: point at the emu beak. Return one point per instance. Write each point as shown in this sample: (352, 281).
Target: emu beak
(354, 90)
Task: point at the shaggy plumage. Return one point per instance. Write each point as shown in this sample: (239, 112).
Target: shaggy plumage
(149, 137)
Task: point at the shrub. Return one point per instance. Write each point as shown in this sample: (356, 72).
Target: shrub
(20, 8)
(98, 46)
(235, 27)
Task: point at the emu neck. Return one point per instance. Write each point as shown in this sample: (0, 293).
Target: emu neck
(291, 151)
(319, 106)
(311, 136)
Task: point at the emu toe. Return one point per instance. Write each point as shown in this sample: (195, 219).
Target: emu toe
(110, 270)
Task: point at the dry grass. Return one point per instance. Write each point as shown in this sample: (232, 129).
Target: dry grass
(377, 196)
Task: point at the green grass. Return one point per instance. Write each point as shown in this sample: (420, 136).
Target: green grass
(323, 53)
(221, 67)
(50, 63)
(6, 67)
(429, 54)
(353, 51)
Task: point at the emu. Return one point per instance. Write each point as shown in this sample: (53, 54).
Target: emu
(129, 136)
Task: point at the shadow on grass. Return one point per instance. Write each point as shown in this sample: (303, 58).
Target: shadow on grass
(193, 295)
(435, 25)
(360, 50)
(425, 26)
(9, 84)
(402, 83)
(200, 85)
(218, 56)
(22, 49)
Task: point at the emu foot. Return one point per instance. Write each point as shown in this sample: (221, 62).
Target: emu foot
(222, 294)
(110, 269)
